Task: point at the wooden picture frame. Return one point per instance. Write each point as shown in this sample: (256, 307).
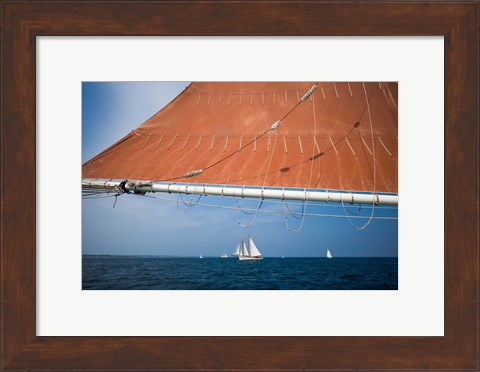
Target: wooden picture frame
(23, 21)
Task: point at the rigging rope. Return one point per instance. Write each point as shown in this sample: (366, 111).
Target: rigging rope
(191, 203)
(238, 206)
(374, 169)
(274, 127)
(310, 92)
(264, 181)
(274, 211)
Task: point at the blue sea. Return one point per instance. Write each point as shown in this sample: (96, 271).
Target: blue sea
(160, 273)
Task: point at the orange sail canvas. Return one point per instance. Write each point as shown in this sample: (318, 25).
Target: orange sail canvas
(343, 136)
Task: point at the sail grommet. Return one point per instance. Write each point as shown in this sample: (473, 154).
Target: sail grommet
(243, 187)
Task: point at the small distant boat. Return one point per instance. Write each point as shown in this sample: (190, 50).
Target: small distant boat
(224, 255)
(200, 256)
(250, 253)
(329, 254)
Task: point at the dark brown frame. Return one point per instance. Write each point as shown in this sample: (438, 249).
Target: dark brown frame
(22, 21)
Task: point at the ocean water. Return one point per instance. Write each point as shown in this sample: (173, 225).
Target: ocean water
(158, 273)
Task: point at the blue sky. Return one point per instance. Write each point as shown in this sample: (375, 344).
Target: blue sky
(150, 226)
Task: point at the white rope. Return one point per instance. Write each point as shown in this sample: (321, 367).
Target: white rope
(160, 140)
(370, 219)
(273, 211)
(300, 143)
(171, 144)
(255, 213)
(263, 187)
(368, 148)
(150, 136)
(191, 203)
(309, 93)
(239, 207)
(333, 145)
(385, 147)
(293, 213)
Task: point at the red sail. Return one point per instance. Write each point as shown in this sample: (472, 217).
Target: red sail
(324, 142)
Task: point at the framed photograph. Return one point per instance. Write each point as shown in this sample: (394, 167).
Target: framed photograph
(274, 189)
(356, 125)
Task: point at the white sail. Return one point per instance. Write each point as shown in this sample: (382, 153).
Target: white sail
(329, 254)
(254, 252)
(237, 252)
(244, 250)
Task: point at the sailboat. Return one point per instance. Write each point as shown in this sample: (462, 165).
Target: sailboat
(224, 255)
(329, 254)
(250, 253)
(200, 256)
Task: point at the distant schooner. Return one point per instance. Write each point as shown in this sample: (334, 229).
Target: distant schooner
(247, 253)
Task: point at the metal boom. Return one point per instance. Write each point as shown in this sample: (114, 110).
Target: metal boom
(243, 192)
